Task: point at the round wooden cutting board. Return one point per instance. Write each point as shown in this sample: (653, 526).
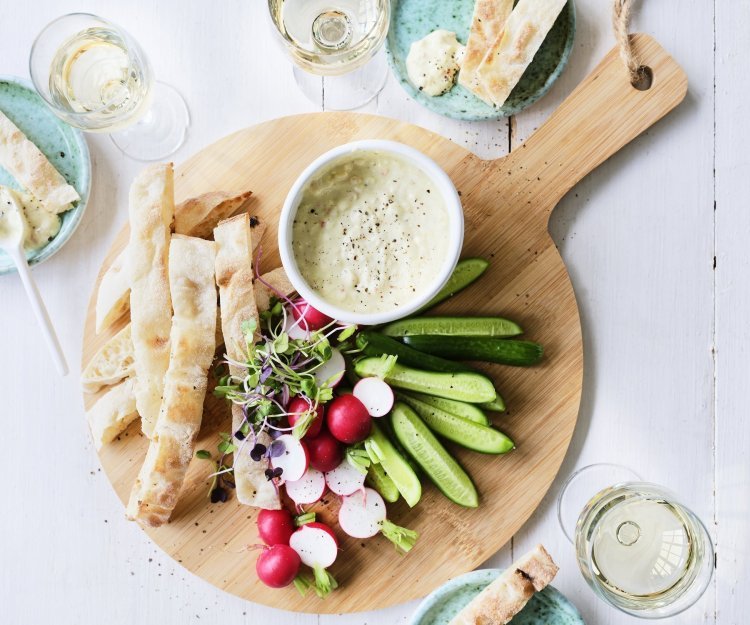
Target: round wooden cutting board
(507, 205)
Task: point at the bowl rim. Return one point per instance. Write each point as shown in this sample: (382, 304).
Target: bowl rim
(447, 191)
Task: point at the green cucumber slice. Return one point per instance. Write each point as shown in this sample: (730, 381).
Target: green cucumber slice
(453, 326)
(376, 344)
(502, 351)
(469, 434)
(439, 465)
(467, 271)
(470, 387)
(383, 452)
(458, 408)
(378, 479)
(497, 405)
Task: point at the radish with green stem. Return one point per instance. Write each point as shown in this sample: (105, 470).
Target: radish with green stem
(376, 395)
(302, 417)
(308, 489)
(289, 455)
(317, 546)
(275, 527)
(363, 514)
(345, 479)
(278, 566)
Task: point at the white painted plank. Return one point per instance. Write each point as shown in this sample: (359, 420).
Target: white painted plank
(637, 238)
(732, 306)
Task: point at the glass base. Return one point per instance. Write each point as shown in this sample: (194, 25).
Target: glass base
(161, 131)
(348, 91)
(582, 485)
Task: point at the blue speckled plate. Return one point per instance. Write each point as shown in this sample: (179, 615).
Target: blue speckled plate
(63, 145)
(413, 19)
(545, 608)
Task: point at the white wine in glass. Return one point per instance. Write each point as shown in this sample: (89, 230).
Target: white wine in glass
(338, 39)
(639, 548)
(95, 76)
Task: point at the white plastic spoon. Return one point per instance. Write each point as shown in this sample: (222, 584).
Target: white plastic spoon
(12, 231)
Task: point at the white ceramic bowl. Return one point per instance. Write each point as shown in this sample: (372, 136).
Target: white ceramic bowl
(455, 234)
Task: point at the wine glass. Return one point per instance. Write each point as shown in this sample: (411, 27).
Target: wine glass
(638, 547)
(341, 41)
(95, 76)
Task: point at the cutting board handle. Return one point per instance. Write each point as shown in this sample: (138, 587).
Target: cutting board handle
(601, 115)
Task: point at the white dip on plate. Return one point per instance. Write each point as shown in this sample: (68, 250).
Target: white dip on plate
(434, 61)
(41, 224)
(370, 232)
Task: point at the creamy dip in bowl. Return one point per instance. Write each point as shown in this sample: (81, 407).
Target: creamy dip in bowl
(371, 231)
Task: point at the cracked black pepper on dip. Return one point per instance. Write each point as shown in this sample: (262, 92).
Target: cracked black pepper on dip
(369, 234)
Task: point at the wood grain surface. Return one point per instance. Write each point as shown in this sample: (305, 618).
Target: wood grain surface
(507, 204)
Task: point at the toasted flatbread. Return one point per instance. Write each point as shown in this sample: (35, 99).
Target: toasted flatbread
(191, 281)
(113, 362)
(234, 277)
(279, 283)
(113, 295)
(198, 216)
(512, 52)
(508, 594)
(151, 215)
(486, 26)
(112, 413)
(26, 163)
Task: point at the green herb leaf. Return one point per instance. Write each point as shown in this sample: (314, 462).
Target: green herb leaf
(248, 328)
(347, 332)
(203, 454)
(281, 343)
(226, 447)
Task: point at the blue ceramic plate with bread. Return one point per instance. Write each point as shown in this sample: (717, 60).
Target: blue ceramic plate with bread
(411, 20)
(545, 608)
(63, 146)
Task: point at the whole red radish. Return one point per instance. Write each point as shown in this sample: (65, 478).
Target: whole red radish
(311, 319)
(325, 451)
(275, 527)
(277, 566)
(348, 419)
(298, 409)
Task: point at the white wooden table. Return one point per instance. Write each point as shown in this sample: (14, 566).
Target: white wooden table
(654, 241)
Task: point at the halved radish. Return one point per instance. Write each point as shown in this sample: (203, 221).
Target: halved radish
(295, 330)
(375, 394)
(363, 515)
(317, 547)
(345, 479)
(289, 455)
(308, 317)
(308, 489)
(331, 372)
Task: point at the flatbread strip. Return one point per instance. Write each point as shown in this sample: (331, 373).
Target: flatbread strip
(277, 279)
(513, 51)
(191, 280)
(113, 296)
(195, 217)
(113, 362)
(508, 594)
(199, 215)
(486, 26)
(26, 163)
(151, 215)
(234, 277)
(112, 413)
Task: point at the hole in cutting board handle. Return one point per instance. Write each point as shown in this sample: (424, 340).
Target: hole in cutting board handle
(644, 79)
